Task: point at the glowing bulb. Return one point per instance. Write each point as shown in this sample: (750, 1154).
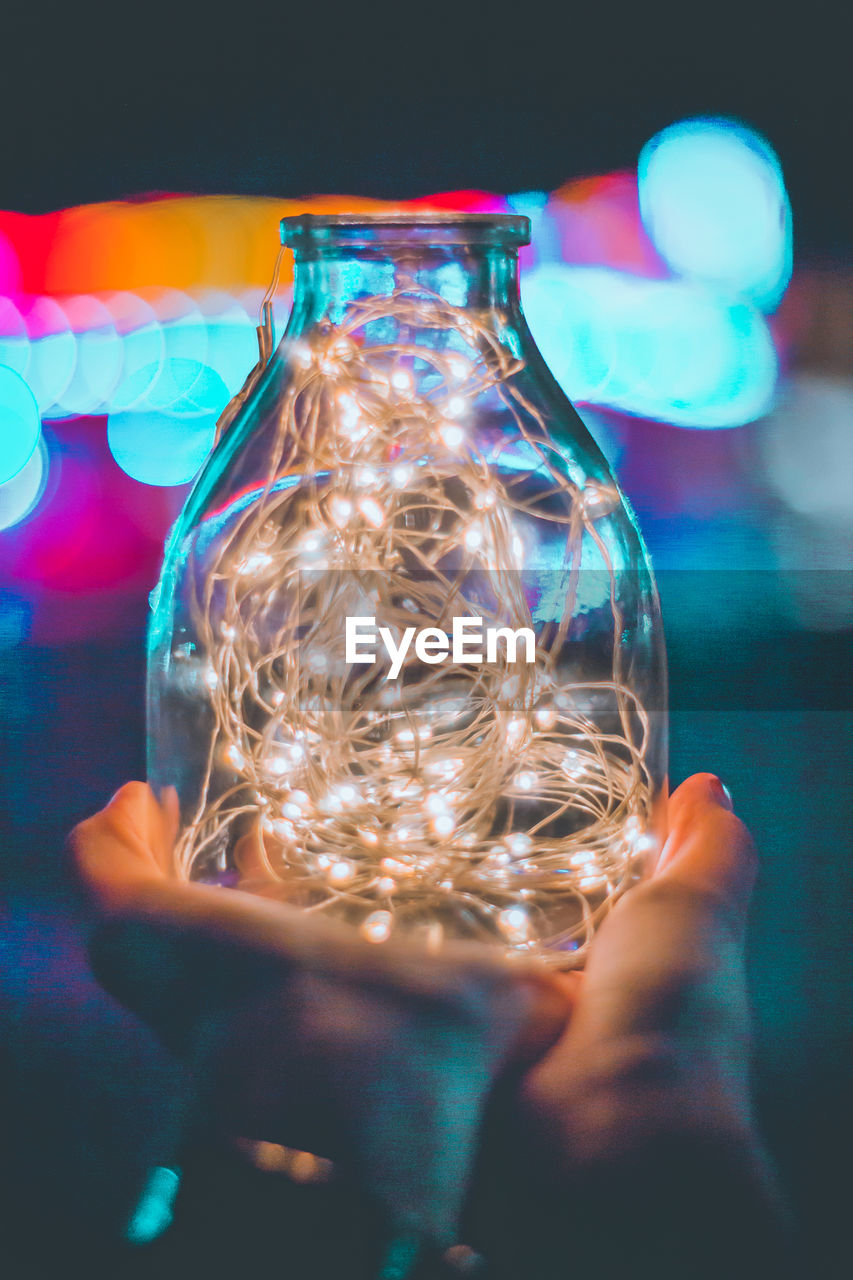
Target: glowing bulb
(632, 829)
(518, 843)
(254, 563)
(377, 926)
(341, 511)
(598, 501)
(301, 355)
(456, 406)
(235, 757)
(443, 825)
(373, 513)
(402, 381)
(545, 715)
(514, 924)
(451, 435)
(342, 872)
(276, 765)
(526, 780)
(386, 886)
(485, 498)
(459, 367)
(645, 845)
(350, 412)
(474, 537)
(393, 867)
(444, 769)
(573, 766)
(516, 731)
(401, 474)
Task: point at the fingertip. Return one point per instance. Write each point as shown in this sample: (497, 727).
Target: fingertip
(710, 849)
(130, 794)
(700, 788)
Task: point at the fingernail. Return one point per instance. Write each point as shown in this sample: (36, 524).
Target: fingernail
(724, 793)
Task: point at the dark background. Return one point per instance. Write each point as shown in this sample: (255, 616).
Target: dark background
(398, 99)
(403, 100)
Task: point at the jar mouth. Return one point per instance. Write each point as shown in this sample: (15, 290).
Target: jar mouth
(307, 231)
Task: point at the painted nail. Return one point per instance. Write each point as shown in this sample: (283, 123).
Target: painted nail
(724, 793)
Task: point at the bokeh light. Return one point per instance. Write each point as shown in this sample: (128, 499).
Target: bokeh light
(184, 329)
(232, 342)
(570, 330)
(666, 349)
(20, 425)
(143, 348)
(713, 201)
(155, 1208)
(10, 271)
(160, 448)
(20, 496)
(99, 357)
(14, 341)
(807, 448)
(53, 349)
(187, 389)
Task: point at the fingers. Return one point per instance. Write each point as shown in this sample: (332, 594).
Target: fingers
(172, 944)
(124, 846)
(302, 1032)
(659, 1032)
(708, 849)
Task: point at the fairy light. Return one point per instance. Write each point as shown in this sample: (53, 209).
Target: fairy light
(377, 926)
(459, 800)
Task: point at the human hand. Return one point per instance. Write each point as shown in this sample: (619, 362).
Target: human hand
(384, 1059)
(302, 1033)
(629, 1147)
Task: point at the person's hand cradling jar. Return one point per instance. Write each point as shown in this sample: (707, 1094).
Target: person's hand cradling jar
(598, 1120)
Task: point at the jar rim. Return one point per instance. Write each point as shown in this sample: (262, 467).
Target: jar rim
(429, 227)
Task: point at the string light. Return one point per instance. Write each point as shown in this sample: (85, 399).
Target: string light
(461, 800)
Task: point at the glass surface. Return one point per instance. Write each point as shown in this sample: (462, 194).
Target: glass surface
(407, 457)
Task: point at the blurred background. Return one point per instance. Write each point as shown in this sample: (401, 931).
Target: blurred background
(690, 283)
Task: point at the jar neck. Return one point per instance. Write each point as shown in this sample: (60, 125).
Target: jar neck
(329, 282)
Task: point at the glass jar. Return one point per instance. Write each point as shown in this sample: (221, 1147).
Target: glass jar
(406, 661)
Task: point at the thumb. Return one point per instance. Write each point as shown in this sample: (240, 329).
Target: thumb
(708, 849)
(660, 1034)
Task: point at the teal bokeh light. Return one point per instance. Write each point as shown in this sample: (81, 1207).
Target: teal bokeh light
(713, 201)
(20, 496)
(165, 443)
(677, 351)
(155, 1207)
(20, 425)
